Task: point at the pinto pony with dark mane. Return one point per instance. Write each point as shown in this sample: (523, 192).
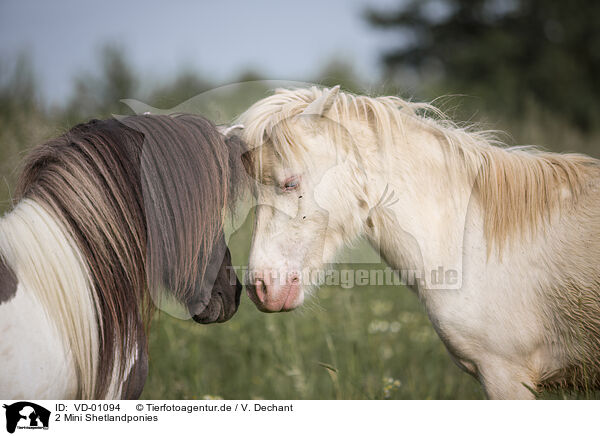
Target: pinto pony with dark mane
(110, 218)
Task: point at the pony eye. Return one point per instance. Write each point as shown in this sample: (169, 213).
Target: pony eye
(291, 184)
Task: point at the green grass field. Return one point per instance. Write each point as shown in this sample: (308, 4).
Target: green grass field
(362, 343)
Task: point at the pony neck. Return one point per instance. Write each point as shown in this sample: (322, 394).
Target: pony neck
(418, 209)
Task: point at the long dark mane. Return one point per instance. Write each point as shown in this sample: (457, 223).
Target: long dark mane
(144, 199)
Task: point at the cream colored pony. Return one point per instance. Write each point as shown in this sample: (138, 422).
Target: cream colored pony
(517, 229)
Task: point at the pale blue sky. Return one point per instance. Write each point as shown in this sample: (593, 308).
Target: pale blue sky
(282, 40)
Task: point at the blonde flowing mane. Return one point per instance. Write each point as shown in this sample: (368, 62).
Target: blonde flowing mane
(518, 187)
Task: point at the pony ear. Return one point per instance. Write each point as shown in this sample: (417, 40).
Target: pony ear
(227, 130)
(322, 104)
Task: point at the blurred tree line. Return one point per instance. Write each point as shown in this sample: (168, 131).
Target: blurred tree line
(533, 67)
(511, 53)
(27, 120)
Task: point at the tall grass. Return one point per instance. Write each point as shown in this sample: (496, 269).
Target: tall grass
(354, 344)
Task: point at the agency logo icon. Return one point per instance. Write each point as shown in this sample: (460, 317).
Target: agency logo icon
(26, 415)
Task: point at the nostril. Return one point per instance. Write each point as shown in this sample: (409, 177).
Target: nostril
(259, 284)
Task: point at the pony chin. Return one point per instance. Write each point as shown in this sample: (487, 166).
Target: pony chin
(221, 307)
